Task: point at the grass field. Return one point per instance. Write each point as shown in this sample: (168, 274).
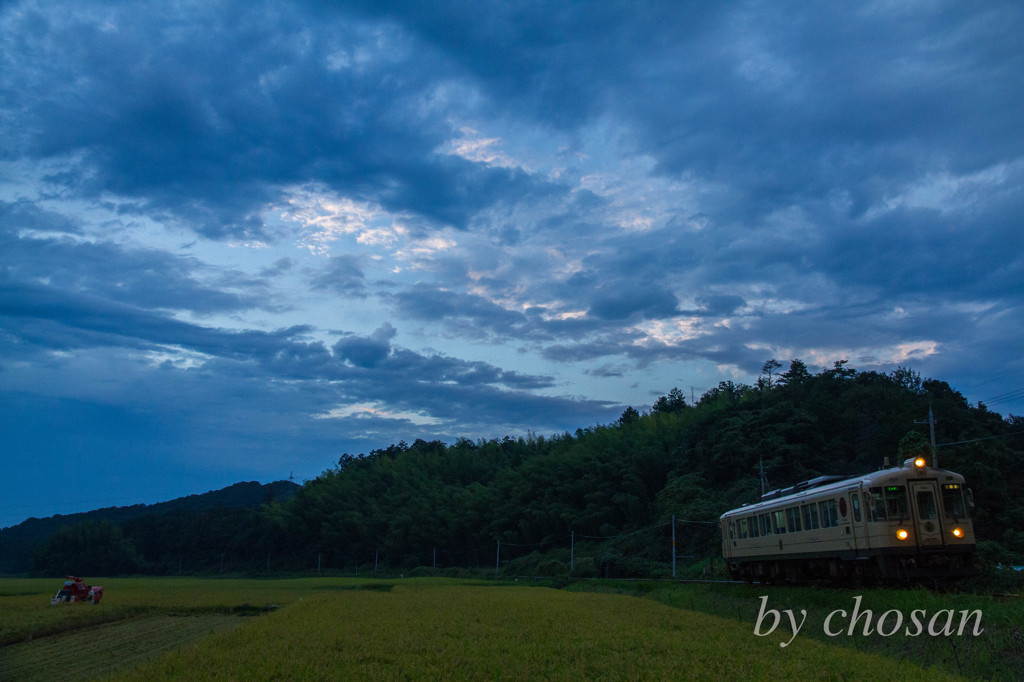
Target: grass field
(406, 629)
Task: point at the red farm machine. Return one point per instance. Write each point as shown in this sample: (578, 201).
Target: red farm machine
(74, 589)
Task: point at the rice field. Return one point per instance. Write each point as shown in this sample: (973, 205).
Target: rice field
(389, 630)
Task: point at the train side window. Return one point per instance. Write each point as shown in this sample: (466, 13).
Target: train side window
(766, 525)
(855, 500)
(753, 526)
(829, 513)
(876, 503)
(743, 529)
(896, 502)
(793, 518)
(810, 516)
(779, 519)
(953, 501)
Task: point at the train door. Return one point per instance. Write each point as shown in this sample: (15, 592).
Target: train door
(857, 527)
(924, 498)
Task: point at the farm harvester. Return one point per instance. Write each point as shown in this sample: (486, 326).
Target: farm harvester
(74, 589)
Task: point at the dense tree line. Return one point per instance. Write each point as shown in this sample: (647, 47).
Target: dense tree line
(19, 543)
(613, 488)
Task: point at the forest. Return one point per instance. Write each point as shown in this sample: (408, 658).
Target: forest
(600, 501)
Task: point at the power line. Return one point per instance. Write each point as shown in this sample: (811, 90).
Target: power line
(1009, 396)
(975, 440)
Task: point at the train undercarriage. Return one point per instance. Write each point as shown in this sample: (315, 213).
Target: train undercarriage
(886, 567)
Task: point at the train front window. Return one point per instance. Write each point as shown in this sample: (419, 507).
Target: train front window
(896, 502)
(926, 505)
(876, 504)
(953, 501)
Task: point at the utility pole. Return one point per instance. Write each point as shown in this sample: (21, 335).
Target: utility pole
(931, 428)
(764, 477)
(673, 545)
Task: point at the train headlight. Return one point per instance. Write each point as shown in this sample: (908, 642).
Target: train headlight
(958, 532)
(919, 463)
(902, 534)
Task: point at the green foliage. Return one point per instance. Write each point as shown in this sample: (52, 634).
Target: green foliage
(914, 444)
(19, 543)
(89, 548)
(447, 506)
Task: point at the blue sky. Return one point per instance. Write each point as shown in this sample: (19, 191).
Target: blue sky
(238, 239)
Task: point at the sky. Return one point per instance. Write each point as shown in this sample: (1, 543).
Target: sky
(239, 239)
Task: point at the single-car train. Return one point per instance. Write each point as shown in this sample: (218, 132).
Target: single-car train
(907, 522)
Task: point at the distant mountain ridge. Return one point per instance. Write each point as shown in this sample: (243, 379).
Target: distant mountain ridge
(18, 542)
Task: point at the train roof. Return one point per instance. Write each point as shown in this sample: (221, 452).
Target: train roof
(827, 483)
(802, 486)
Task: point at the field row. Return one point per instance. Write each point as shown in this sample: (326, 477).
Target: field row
(102, 650)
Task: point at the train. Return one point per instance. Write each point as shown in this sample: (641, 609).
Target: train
(902, 523)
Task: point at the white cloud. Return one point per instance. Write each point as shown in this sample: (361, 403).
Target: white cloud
(378, 411)
(472, 147)
(323, 218)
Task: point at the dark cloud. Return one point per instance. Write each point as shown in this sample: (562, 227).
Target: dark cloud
(342, 275)
(25, 215)
(148, 278)
(469, 313)
(628, 300)
(721, 305)
(280, 266)
(366, 352)
(210, 129)
(560, 64)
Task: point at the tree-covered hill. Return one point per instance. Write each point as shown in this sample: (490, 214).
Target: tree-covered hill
(18, 543)
(610, 489)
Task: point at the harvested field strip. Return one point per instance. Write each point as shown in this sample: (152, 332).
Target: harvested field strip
(107, 649)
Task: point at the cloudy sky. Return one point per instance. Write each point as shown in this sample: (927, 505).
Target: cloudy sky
(238, 239)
